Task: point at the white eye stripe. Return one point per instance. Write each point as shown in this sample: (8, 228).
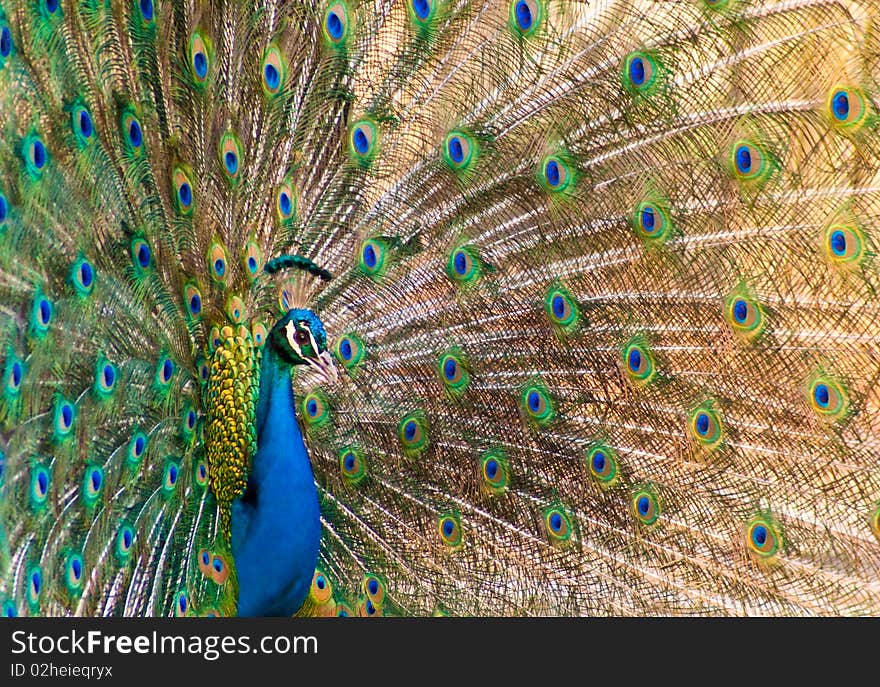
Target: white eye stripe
(290, 331)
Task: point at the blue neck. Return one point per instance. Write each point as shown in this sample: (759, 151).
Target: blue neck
(276, 525)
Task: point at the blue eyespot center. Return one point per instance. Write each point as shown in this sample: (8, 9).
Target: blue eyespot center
(551, 170)
(370, 258)
(460, 263)
(143, 255)
(139, 446)
(195, 304)
(167, 370)
(109, 376)
(648, 219)
(135, 136)
(85, 124)
(740, 311)
(39, 153)
(349, 462)
(491, 468)
(534, 401)
(599, 461)
(523, 15)
(555, 522)
(409, 431)
(373, 587)
(312, 407)
(218, 565)
(840, 105)
(3, 209)
(172, 474)
(96, 480)
(637, 71)
(231, 162)
(456, 150)
(42, 482)
(744, 159)
(838, 242)
(181, 602)
(450, 367)
(126, 538)
(5, 41)
(200, 64)
(205, 558)
(219, 267)
(345, 349)
(185, 194)
(702, 424)
(272, 76)
(66, 415)
(759, 535)
(448, 527)
(422, 8)
(320, 582)
(558, 307)
(822, 395)
(643, 505)
(334, 26)
(16, 373)
(147, 9)
(52, 6)
(76, 568)
(285, 203)
(85, 274)
(635, 360)
(252, 264)
(36, 582)
(361, 142)
(45, 312)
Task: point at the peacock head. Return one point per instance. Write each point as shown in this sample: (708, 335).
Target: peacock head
(299, 338)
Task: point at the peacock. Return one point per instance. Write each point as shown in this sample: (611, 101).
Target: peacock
(439, 307)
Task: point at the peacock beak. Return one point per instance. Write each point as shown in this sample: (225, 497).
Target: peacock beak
(325, 367)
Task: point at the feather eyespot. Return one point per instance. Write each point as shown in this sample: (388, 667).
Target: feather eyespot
(454, 373)
(137, 445)
(321, 590)
(199, 57)
(602, 463)
(645, 506)
(449, 529)
(4, 210)
(463, 266)
(64, 417)
(285, 202)
(36, 157)
(192, 300)
(230, 152)
(124, 542)
(561, 309)
(274, 70)
(315, 409)
(5, 42)
(557, 525)
(459, 151)
(349, 350)
(363, 140)
(537, 405)
(763, 538)
(81, 123)
(828, 397)
(640, 72)
(848, 108)
(422, 11)
(526, 16)
(744, 315)
(106, 375)
(336, 23)
(413, 435)
(141, 255)
(494, 471)
(132, 133)
(146, 9)
(372, 257)
(34, 578)
(555, 174)
(844, 244)
(92, 485)
(39, 488)
(374, 589)
(352, 465)
(13, 375)
(183, 190)
(170, 476)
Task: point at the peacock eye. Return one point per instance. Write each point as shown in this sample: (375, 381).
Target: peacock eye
(301, 336)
